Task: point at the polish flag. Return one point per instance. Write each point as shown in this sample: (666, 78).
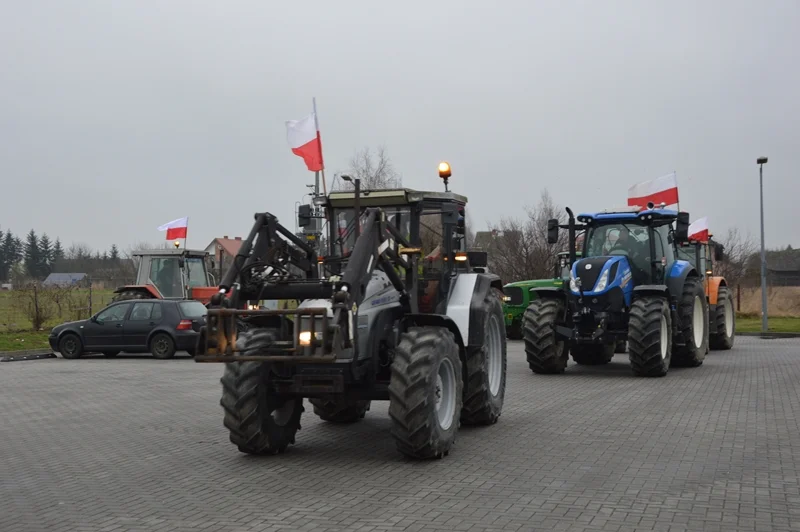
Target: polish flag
(176, 228)
(661, 190)
(698, 230)
(305, 142)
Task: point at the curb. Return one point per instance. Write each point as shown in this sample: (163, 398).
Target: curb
(769, 335)
(30, 354)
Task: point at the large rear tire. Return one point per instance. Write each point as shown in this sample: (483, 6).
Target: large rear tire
(131, 294)
(546, 353)
(592, 354)
(723, 328)
(339, 409)
(425, 392)
(650, 336)
(693, 316)
(259, 421)
(485, 388)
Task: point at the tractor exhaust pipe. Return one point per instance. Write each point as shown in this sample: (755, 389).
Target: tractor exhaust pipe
(571, 229)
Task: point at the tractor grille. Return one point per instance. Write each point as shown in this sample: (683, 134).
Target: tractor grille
(589, 277)
(515, 293)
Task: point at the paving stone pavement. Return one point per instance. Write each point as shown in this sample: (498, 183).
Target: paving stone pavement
(136, 444)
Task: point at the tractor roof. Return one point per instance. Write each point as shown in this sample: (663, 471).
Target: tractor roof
(170, 253)
(628, 214)
(391, 196)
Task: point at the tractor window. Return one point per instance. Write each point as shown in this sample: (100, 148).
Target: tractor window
(616, 239)
(663, 248)
(165, 273)
(196, 272)
(345, 231)
(688, 253)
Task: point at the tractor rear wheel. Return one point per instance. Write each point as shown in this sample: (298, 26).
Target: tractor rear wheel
(425, 392)
(339, 409)
(485, 388)
(545, 352)
(650, 336)
(723, 327)
(693, 316)
(259, 421)
(592, 354)
(131, 294)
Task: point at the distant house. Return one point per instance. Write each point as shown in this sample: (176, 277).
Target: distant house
(65, 279)
(222, 250)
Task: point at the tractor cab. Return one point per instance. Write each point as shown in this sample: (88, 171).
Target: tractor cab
(170, 274)
(432, 222)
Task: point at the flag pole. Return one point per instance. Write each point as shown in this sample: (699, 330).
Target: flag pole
(319, 141)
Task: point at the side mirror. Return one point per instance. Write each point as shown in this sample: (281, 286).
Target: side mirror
(552, 231)
(478, 259)
(181, 262)
(304, 215)
(719, 253)
(682, 227)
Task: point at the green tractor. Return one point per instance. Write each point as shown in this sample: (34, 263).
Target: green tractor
(518, 295)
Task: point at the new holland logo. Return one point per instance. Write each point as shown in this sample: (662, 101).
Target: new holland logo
(626, 277)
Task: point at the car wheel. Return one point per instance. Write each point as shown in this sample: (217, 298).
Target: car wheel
(162, 346)
(70, 346)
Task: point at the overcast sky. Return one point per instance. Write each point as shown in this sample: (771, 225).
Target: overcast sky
(116, 117)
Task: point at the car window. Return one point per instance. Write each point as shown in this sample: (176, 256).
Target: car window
(115, 313)
(141, 311)
(156, 312)
(192, 309)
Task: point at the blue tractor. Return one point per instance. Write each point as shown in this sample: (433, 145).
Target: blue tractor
(628, 286)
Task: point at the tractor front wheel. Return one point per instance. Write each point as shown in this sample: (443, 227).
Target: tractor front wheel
(723, 327)
(425, 392)
(693, 316)
(485, 388)
(546, 353)
(650, 336)
(259, 421)
(339, 409)
(592, 354)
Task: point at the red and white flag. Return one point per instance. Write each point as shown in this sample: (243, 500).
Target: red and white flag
(661, 190)
(176, 228)
(305, 142)
(698, 230)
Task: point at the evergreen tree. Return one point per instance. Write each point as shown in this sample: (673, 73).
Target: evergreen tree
(45, 252)
(32, 255)
(10, 255)
(58, 251)
(114, 255)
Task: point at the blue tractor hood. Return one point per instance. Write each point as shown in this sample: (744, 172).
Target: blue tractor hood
(600, 275)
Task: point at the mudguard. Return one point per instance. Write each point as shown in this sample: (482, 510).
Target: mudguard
(434, 320)
(465, 306)
(677, 275)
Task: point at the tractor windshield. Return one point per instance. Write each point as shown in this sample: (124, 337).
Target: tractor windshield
(629, 240)
(165, 274)
(345, 232)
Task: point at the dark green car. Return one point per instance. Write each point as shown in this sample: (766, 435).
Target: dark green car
(518, 295)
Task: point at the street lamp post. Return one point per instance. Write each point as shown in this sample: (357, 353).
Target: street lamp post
(761, 161)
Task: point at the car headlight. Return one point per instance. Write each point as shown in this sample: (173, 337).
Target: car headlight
(601, 284)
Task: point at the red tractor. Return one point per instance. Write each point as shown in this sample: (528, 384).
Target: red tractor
(170, 274)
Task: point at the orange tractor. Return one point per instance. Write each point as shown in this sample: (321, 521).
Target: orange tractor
(170, 274)
(702, 254)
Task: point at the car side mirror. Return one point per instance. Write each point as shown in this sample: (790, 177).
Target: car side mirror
(682, 227)
(552, 231)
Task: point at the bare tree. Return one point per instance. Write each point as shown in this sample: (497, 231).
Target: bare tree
(375, 171)
(35, 303)
(738, 250)
(519, 248)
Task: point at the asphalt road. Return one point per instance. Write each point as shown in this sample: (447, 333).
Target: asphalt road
(132, 444)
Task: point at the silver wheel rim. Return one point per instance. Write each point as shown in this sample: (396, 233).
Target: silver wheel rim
(445, 394)
(728, 317)
(698, 323)
(283, 413)
(494, 356)
(161, 346)
(664, 336)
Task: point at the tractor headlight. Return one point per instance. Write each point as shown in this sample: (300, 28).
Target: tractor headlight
(304, 336)
(572, 284)
(506, 298)
(603, 282)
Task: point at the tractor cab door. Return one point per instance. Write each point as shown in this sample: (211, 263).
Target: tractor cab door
(165, 273)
